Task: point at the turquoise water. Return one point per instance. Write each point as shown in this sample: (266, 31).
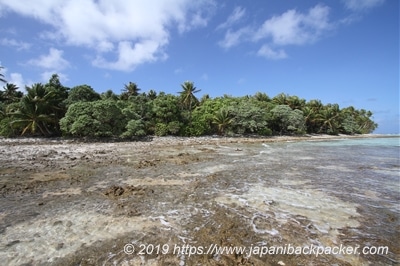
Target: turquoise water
(365, 172)
(381, 142)
(349, 189)
(345, 166)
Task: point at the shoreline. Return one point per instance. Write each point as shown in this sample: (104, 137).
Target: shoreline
(177, 140)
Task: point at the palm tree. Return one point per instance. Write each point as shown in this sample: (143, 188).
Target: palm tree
(187, 97)
(36, 113)
(281, 99)
(312, 115)
(205, 98)
(316, 105)
(309, 118)
(187, 94)
(10, 93)
(2, 111)
(109, 95)
(130, 89)
(152, 94)
(365, 124)
(329, 116)
(295, 102)
(2, 76)
(262, 97)
(222, 119)
(31, 121)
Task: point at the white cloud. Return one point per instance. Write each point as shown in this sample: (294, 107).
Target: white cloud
(290, 28)
(358, 5)
(296, 28)
(268, 52)
(129, 57)
(14, 43)
(105, 46)
(18, 80)
(237, 14)
(233, 38)
(199, 18)
(52, 63)
(21, 83)
(116, 28)
(53, 60)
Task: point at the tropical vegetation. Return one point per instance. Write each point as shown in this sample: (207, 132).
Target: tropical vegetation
(52, 109)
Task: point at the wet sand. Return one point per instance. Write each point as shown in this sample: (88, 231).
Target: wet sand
(68, 202)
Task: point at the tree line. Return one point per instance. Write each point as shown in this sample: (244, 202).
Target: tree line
(52, 109)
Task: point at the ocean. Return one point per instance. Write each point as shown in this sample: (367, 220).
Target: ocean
(348, 190)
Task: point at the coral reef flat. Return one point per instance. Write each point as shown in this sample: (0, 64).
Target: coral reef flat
(73, 202)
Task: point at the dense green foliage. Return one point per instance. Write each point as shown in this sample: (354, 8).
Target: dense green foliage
(52, 110)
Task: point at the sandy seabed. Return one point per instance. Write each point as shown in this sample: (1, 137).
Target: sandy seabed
(69, 202)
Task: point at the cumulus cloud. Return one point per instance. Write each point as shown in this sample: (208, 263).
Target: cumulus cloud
(128, 55)
(289, 28)
(52, 60)
(118, 28)
(293, 27)
(359, 5)
(51, 63)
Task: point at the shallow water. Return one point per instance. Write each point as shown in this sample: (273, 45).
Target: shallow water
(349, 190)
(324, 193)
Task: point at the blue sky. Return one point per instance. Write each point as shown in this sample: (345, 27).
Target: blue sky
(344, 52)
